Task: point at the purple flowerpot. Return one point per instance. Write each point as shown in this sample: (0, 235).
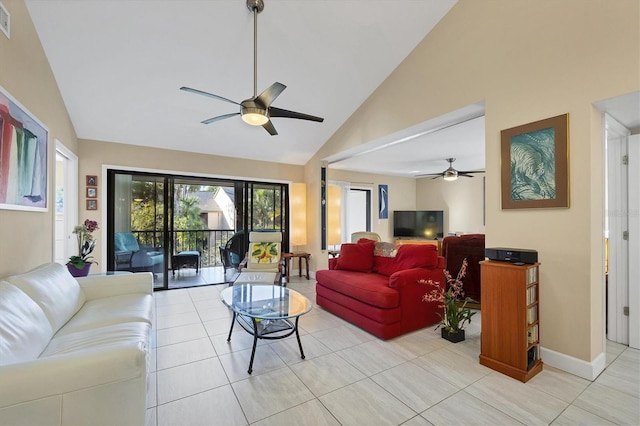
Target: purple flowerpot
(79, 272)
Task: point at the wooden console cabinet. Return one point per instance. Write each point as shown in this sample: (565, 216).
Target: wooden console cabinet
(510, 340)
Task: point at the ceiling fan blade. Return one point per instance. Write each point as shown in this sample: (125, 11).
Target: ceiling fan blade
(211, 95)
(431, 174)
(471, 171)
(270, 94)
(268, 126)
(218, 118)
(278, 112)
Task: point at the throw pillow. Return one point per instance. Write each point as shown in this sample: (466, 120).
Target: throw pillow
(385, 249)
(356, 257)
(408, 256)
(417, 256)
(265, 252)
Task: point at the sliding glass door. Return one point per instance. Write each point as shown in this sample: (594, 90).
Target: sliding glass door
(137, 224)
(175, 226)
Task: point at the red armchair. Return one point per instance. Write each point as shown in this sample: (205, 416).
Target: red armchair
(470, 246)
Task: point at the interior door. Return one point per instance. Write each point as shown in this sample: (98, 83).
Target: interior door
(616, 231)
(634, 241)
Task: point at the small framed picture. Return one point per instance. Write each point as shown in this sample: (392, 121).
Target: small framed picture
(92, 180)
(92, 192)
(92, 204)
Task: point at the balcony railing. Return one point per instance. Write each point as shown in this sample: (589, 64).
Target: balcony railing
(205, 241)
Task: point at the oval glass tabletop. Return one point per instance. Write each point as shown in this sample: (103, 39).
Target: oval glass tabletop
(265, 301)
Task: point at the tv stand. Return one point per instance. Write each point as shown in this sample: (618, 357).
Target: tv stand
(404, 240)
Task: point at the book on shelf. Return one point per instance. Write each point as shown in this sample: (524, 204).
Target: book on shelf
(532, 314)
(532, 334)
(531, 294)
(532, 356)
(532, 275)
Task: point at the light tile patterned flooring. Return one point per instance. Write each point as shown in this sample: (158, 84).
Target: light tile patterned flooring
(350, 377)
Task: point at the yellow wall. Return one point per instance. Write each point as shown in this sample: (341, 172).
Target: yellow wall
(27, 236)
(527, 61)
(461, 200)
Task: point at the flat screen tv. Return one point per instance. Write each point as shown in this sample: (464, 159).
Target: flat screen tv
(427, 224)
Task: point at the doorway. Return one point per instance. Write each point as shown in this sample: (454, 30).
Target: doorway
(66, 202)
(358, 213)
(622, 223)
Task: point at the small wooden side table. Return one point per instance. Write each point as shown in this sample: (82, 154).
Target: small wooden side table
(300, 255)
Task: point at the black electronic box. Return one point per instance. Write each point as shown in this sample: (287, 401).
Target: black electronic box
(512, 255)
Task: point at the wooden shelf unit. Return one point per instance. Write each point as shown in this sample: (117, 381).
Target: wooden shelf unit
(510, 340)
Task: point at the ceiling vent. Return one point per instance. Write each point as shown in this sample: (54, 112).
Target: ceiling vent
(5, 20)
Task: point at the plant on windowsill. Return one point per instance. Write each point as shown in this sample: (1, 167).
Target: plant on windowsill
(79, 265)
(456, 313)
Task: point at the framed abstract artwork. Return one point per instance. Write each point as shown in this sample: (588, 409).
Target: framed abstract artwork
(92, 204)
(535, 164)
(383, 202)
(23, 157)
(92, 192)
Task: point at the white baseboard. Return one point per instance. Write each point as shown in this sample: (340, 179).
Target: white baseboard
(586, 370)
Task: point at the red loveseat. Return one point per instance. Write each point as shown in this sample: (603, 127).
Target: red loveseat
(381, 294)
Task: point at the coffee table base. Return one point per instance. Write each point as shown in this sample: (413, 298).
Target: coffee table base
(266, 329)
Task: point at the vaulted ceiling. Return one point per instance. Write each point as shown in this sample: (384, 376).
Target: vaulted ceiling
(119, 66)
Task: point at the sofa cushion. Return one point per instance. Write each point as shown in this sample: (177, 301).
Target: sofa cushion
(103, 337)
(110, 310)
(24, 328)
(356, 256)
(372, 289)
(385, 265)
(409, 256)
(53, 288)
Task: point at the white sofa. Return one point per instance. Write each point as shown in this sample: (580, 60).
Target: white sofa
(74, 351)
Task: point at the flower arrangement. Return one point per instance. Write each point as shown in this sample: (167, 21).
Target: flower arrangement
(452, 300)
(86, 244)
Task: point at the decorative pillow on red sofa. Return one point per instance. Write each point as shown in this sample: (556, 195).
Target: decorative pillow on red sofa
(409, 256)
(356, 257)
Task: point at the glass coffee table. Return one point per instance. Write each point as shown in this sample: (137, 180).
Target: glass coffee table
(265, 311)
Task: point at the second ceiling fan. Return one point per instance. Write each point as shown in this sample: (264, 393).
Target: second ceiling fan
(257, 110)
(451, 173)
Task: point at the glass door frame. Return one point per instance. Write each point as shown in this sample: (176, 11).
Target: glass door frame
(243, 190)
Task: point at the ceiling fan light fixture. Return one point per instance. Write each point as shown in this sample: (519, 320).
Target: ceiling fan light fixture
(254, 116)
(450, 174)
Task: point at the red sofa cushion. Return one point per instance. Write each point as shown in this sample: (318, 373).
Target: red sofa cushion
(409, 256)
(372, 289)
(356, 256)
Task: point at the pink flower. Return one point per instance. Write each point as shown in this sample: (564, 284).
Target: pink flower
(454, 316)
(90, 225)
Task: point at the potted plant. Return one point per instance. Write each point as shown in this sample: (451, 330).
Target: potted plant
(456, 313)
(79, 265)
